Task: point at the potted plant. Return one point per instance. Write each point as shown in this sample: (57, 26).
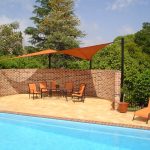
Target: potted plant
(122, 106)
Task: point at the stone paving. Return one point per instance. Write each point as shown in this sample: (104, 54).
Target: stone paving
(93, 109)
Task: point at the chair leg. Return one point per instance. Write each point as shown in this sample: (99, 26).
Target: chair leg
(133, 117)
(66, 98)
(73, 99)
(51, 92)
(147, 121)
(83, 99)
(148, 118)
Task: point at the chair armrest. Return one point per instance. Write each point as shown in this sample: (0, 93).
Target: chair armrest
(31, 91)
(76, 92)
(43, 88)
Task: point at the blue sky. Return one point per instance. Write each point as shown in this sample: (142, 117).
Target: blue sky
(101, 20)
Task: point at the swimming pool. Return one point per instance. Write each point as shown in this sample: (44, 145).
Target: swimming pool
(18, 132)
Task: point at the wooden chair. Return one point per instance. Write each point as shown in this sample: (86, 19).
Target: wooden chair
(33, 90)
(80, 95)
(145, 112)
(68, 90)
(43, 88)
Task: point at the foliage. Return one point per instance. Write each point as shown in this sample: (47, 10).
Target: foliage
(137, 65)
(141, 90)
(7, 62)
(107, 58)
(30, 49)
(11, 39)
(41, 10)
(70, 62)
(142, 38)
(55, 25)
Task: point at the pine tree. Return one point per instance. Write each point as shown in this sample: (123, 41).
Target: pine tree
(40, 12)
(56, 25)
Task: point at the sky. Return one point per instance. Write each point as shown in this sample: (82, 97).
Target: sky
(101, 20)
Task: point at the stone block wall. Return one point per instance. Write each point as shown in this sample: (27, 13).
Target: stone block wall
(101, 83)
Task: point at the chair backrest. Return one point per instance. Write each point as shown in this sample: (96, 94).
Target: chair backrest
(82, 89)
(43, 85)
(69, 86)
(32, 87)
(53, 85)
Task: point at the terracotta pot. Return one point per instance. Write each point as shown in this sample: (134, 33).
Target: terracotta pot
(123, 107)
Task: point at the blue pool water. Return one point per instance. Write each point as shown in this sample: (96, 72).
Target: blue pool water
(19, 132)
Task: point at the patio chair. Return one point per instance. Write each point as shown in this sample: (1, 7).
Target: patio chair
(54, 88)
(145, 112)
(33, 90)
(43, 88)
(68, 90)
(80, 95)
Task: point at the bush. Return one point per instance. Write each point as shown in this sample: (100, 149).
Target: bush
(8, 63)
(141, 91)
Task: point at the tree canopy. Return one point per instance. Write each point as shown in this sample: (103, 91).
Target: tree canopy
(56, 25)
(137, 64)
(11, 39)
(142, 38)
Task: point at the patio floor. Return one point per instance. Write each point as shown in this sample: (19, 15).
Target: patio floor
(93, 109)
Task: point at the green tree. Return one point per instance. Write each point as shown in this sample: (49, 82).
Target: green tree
(137, 67)
(142, 38)
(40, 11)
(11, 39)
(30, 49)
(56, 25)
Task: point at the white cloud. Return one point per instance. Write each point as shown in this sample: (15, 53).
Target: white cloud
(120, 4)
(93, 34)
(27, 4)
(23, 22)
(77, 3)
(5, 20)
(89, 41)
(124, 30)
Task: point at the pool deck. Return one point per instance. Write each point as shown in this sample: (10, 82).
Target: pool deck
(94, 110)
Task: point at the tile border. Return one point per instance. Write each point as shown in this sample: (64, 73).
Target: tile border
(79, 120)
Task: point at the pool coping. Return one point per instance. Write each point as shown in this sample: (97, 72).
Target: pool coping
(79, 120)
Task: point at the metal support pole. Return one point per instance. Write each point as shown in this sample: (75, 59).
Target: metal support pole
(49, 60)
(122, 69)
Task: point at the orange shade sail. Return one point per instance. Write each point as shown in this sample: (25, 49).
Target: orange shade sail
(85, 52)
(49, 51)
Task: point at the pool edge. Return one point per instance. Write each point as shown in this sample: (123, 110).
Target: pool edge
(79, 120)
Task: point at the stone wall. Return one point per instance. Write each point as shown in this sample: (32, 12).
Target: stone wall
(101, 83)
